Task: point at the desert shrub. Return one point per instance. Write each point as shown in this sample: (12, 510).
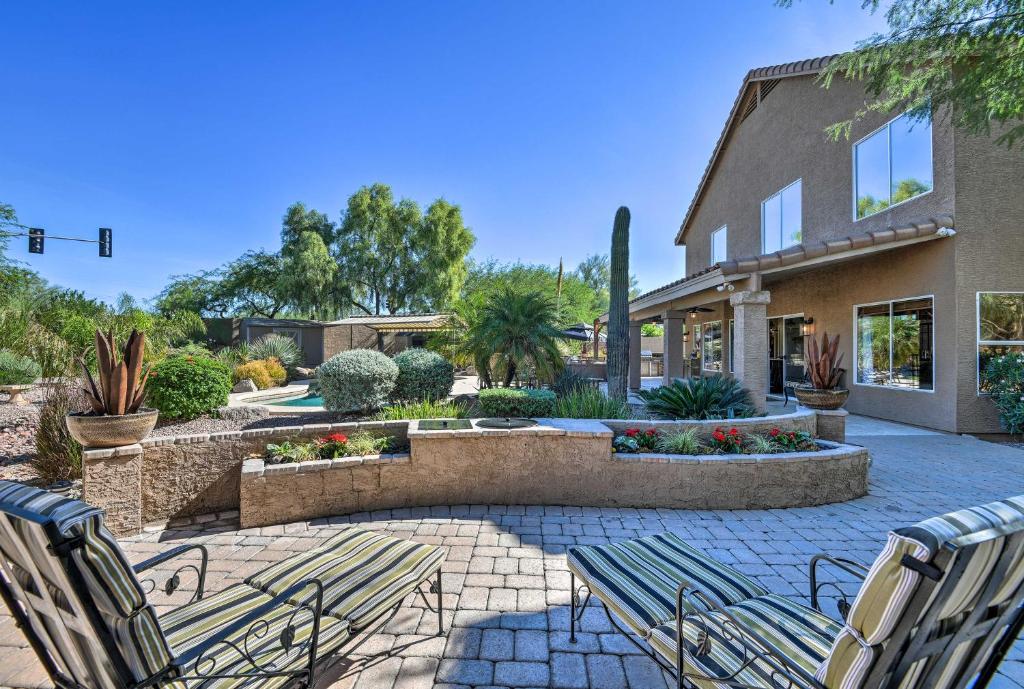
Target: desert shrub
(58, 455)
(274, 346)
(710, 397)
(427, 409)
(357, 380)
(1004, 376)
(423, 375)
(517, 402)
(679, 443)
(278, 375)
(590, 403)
(17, 370)
(188, 387)
(364, 443)
(570, 381)
(256, 371)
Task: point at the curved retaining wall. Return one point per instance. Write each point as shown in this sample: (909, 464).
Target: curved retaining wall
(560, 462)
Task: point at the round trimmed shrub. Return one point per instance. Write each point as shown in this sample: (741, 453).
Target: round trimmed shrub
(423, 375)
(256, 371)
(517, 402)
(184, 387)
(17, 370)
(357, 380)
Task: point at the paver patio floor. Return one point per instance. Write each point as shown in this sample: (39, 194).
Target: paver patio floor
(507, 587)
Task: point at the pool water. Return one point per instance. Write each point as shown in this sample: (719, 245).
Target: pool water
(308, 401)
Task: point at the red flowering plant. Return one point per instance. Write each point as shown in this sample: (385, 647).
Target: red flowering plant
(333, 446)
(729, 442)
(636, 440)
(792, 441)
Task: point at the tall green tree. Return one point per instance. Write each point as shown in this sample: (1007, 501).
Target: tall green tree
(595, 271)
(578, 303)
(961, 58)
(200, 293)
(298, 220)
(391, 258)
(252, 284)
(8, 222)
(308, 276)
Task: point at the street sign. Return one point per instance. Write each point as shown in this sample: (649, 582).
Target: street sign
(106, 242)
(36, 240)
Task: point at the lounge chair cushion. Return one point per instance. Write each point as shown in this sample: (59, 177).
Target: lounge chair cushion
(889, 586)
(803, 635)
(189, 626)
(637, 579)
(110, 580)
(364, 573)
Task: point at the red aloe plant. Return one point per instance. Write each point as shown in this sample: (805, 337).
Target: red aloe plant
(823, 363)
(122, 384)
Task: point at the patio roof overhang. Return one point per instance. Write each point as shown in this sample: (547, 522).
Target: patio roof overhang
(703, 287)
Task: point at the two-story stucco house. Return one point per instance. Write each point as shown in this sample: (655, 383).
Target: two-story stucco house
(907, 240)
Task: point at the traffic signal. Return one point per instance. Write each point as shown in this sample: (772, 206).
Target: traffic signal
(35, 240)
(106, 242)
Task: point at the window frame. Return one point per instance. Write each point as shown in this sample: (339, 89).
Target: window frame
(703, 344)
(856, 345)
(978, 342)
(888, 138)
(724, 229)
(800, 181)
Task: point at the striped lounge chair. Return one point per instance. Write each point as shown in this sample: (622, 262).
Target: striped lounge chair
(939, 609)
(89, 617)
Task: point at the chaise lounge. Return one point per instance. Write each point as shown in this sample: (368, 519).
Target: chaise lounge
(89, 619)
(939, 608)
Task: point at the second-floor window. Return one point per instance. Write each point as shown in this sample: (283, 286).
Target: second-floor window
(781, 224)
(719, 242)
(892, 165)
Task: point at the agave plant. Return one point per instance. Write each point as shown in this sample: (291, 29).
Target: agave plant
(710, 397)
(122, 384)
(823, 363)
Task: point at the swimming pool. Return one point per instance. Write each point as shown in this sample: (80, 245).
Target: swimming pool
(307, 401)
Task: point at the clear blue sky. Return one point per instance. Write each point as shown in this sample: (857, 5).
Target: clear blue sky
(189, 127)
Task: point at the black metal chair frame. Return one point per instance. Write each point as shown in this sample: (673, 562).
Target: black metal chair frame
(920, 637)
(198, 664)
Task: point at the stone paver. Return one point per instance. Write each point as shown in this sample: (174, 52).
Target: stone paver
(507, 584)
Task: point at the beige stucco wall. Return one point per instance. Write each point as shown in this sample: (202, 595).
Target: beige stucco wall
(784, 140)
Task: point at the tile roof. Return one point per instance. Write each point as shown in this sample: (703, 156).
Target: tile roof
(790, 69)
(917, 229)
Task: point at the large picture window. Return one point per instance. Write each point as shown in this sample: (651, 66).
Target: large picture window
(892, 165)
(711, 343)
(781, 224)
(1000, 328)
(719, 245)
(895, 344)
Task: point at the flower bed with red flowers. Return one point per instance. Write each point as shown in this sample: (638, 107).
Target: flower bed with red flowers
(333, 446)
(724, 440)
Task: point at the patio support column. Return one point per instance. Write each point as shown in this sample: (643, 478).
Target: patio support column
(674, 357)
(634, 355)
(750, 313)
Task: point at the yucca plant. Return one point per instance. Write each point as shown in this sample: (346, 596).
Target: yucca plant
(710, 397)
(823, 363)
(122, 384)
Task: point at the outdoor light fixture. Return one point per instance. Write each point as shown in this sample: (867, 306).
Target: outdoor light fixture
(807, 328)
(726, 286)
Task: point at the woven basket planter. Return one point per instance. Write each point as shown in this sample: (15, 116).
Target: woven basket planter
(821, 399)
(94, 431)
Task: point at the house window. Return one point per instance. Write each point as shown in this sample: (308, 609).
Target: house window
(781, 224)
(892, 165)
(718, 244)
(732, 344)
(711, 346)
(1000, 328)
(895, 346)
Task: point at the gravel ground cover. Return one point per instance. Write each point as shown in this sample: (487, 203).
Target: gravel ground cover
(17, 436)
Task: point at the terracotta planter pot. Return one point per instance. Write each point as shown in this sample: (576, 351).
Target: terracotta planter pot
(821, 399)
(94, 431)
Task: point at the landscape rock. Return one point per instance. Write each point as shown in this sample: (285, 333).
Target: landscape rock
(244, 412)
(245, 385)
(304, 373)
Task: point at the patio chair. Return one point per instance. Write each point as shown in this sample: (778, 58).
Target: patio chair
(90, 620)
(939, 608)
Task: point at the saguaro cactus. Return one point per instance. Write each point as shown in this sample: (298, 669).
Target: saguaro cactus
(618, 310)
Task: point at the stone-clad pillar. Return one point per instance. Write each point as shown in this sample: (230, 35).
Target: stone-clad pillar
(750, 314)
(112, 481)
(634, 355)
(674, 356)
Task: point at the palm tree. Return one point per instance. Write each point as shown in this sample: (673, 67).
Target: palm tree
(514, 329)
